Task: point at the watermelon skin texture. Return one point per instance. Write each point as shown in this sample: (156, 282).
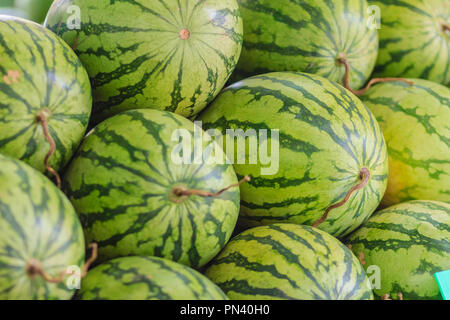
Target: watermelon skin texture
(326, 136)
(409, 242)
(121, 181)
(36, 222)
(413, 43)
(146, 278)
(143, 62)
(307, 36)
(414, 120)
(286, 261)
(39, 72)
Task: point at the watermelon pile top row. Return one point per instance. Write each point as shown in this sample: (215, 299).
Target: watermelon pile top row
(354, 183)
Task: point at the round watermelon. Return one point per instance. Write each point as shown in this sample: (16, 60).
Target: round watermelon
(123, 182)
(415, 123)
(39, 232)
(146, 278)
(167, 55)
(408, 242)
(331, 150)
(311, 36)
(414, 39)
(44, 93)
(286, 261)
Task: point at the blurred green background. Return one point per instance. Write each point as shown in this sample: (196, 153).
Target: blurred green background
(35, 10)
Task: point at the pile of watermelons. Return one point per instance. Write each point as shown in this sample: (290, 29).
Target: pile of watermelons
(326, 157)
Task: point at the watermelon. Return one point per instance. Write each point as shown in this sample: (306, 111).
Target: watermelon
(45, 95)
(408, 242)
(414, 39)
(415, 123)
(331, 154)
(287, 261)
(146, 278)
(123, 182)
(39, 232)
(311, 36)
(168, 55)
(36, 9)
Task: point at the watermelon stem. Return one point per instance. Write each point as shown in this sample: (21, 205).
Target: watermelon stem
(185, 34)
(42, 119)
(346, 80)
(445, 27)
(364, 175)
(34, 268)
(180, 191)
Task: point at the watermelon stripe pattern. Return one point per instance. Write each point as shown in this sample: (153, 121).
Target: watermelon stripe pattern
(177, 56)
(146, 278)
(308, 36)
(39, 72)
(414, 120)
(285, 261)
(413, 41)
(414, 235)
(36, 222)
(326, 136)
(121, 183)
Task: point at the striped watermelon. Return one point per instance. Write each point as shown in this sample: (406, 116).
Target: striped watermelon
(409, 242)
(309, 36)
(146, 278)
(415, 122)
(40, 75)
(39, 230)
(123, 183)
(286, 261)
(327, 139)
(414, 39)
(169, 55)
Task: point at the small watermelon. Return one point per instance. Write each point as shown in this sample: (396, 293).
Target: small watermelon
(123, 182)
(311, 36)
(414, 39)
(415, 123)
(286, 261)
(169, 55)
(409, 243)
(329, 144)
(43, 87)
(146, 278)
(39, 231)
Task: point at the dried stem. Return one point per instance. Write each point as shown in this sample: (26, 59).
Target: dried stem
(180, 191)
(365, 176)
(42, 119)
(346, 80)
(34, 268)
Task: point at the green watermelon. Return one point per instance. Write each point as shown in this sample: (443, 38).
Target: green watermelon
(310, 36)
(414, 39)
(415, 123)
(123, 182)
(36, 9)
(39, 230)
(40, 79)
(146, 278)
(169, 55)
(408, 242)
(329, 143)
(286, 261)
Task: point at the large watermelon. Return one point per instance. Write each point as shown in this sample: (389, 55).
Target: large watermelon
(43, 86)
(286, 261)
(146, 278)
(408, 242)
(329, 144)
(39, 231)
(415, 123)
(310, 36)
(414, 39)
(169, 55)
(123, 183)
